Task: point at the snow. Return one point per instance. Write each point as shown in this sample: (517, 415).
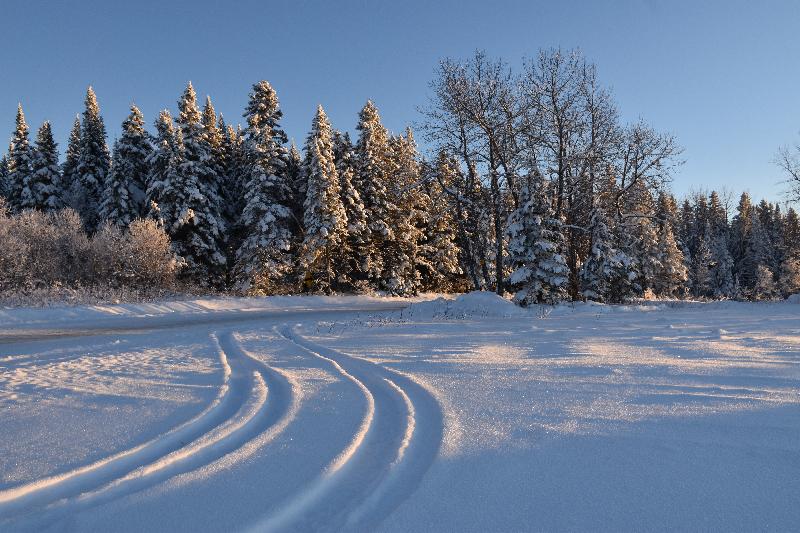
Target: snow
(343, 413)
(470, 305)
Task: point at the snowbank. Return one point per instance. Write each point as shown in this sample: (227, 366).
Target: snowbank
(185, 309)
(476, 304)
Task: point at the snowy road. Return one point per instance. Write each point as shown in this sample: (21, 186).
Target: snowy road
(328, 414)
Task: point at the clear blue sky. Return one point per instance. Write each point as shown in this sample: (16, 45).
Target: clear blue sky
(723, 76)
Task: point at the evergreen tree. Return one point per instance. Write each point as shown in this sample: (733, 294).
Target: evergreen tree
(642, 246)
(19, 162)
(126, 185)
(70, 184)
(407, 209)
(370, 181)
(791, 233)
(198, 230)
(264, 258)
(740, 232)
(163, 170)
(41, 187)
(352, 274)
(535, 249)
(438, 255)
(94, 162)
(232, 191)
(670, 277)
(298, 181)
(213, 139)
(608, 274)
(324, 216)
(700, 273)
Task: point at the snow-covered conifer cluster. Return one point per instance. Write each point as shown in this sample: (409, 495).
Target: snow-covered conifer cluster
(534, 188)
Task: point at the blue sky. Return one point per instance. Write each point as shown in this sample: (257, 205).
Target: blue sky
(723, 76)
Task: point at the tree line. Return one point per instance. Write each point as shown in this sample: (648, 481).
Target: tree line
(533, 186)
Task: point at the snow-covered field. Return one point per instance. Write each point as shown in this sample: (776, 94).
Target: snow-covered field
(361, 413)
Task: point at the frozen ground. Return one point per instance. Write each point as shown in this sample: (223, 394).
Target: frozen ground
(362, 414)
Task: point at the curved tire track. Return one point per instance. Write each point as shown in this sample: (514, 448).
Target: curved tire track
(253, 399)
(397, 442)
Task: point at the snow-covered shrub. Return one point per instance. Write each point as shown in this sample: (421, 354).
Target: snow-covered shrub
(150, 261)
(790, 276)
(139, 258)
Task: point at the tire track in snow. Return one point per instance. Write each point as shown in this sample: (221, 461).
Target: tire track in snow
(254, 399)
(398, 440)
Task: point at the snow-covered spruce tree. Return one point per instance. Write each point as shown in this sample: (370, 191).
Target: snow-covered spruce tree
(19, 162)
(264, 259)
(408, 209)
(740, 236)
(126, 185)
(791, 233)
(350, 274)
(438, 254)
(540, 274)
(162, 166)
(94, 163)
(324, 217)
(721, 271)
(232, 191)
(298, 181)
(370, 179)
(196, 228)
(700, 271)
(70, 184)
(41, 187)
(608, 274)
(213, 139)
(670, 278)
(641, 245)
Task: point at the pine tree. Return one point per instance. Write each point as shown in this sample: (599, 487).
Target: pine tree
(642, 246)
(370, 181)
(126, 185)
(670, 277)
(324, 217)
(264, 258)
(198, 230)
(213, 139)
(351, 274)
(791, 234)
(699, 273)
(438, 255)
(408, 207)
(535, 249)
(94, 162)
(19, 162)
(41, 187)
(70, 184)
(298, 181)
(608, 274)
(740, 232)
(163, 170)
